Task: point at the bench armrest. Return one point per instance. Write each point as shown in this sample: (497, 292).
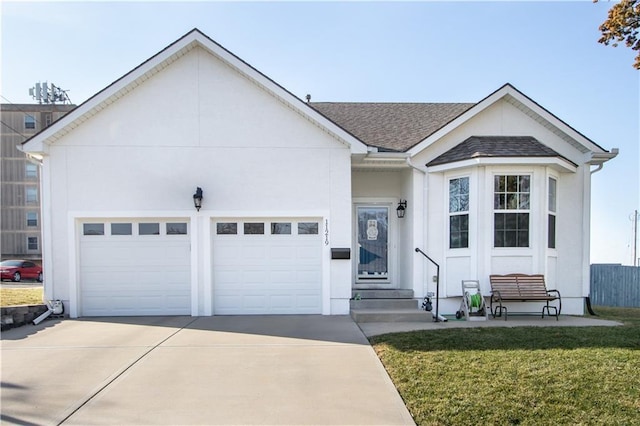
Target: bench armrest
(559, 299)
(553, 291)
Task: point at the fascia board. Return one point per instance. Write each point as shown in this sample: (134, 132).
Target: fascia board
(156, 63)
(555, 121)
(559, 164)
(504, 91)
(109, 94)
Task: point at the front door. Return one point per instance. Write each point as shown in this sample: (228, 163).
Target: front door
(373, 244)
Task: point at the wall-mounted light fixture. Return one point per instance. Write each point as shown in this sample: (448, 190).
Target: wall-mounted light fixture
(402, 206)
(197, 198)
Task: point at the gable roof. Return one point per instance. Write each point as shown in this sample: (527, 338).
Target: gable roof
(496, 146)
(141, 73)
(391, 126)
(529, 107)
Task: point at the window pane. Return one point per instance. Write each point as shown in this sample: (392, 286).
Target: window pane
(552, 195)
(511, 230)
(281, 228)
(32, 194)
(512, 201)
(32, 243)
(32, 219)
(458, 195)
(93, 229)
(499, 185)
(31, 171)
(307, 228)
(464, 202)
(459, 231)
(523, 183)
(454, 224)
(121, 229)
(177, 228)
(512, 183)
(523, 221)
(226, 228)
(523, 202)
(253, 228)
(499, 202)
(523, 238)
(552, 232)
(29, 122)
(148, 229)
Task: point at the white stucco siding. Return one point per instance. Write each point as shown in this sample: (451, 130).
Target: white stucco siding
(501, 118)
(564, 266)
(198, 122)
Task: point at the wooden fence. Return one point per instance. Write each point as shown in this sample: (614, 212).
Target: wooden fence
(615, 285)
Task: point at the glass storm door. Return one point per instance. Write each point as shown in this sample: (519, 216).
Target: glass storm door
(373, 243)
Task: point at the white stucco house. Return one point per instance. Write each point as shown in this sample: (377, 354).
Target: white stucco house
(300, 200)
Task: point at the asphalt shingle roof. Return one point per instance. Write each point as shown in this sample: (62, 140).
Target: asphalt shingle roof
(495, 146)
(391, 126)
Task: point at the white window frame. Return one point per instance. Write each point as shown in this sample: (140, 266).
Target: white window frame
(552, 212)
(516, 210)
(459, 212)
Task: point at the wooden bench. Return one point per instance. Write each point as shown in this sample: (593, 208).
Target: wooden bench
(522, 288)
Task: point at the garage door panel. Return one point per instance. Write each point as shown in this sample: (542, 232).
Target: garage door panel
(263, 273)
(135, 275)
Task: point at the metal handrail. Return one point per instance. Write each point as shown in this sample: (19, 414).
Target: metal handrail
(437, 316)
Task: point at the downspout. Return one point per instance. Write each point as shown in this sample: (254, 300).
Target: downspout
(603, 157)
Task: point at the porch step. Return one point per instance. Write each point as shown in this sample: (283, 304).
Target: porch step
(383, 294)
(384, 304)
(390, 315)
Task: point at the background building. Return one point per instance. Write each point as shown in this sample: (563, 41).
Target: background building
(20, 221)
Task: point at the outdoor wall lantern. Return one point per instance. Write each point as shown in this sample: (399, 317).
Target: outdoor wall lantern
(402, 206)
(197, 198)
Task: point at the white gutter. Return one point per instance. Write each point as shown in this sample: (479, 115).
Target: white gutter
(600, 158)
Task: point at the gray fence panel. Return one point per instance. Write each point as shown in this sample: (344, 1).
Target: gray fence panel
(615, 285)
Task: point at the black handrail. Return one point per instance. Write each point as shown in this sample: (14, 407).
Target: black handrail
(437, 316)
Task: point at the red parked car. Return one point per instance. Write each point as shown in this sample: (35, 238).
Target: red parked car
(16, 270)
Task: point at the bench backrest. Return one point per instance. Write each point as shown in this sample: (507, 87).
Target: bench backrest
(519, 286)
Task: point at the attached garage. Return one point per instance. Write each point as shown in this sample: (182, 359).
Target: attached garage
(267, 266)
(135, 267)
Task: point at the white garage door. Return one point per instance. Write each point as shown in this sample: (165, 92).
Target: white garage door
(135, 268)
(270, 266)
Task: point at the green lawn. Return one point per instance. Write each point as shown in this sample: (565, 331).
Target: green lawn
(526, 375)
(20, 296)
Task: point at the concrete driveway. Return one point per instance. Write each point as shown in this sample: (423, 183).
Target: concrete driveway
(208, 370)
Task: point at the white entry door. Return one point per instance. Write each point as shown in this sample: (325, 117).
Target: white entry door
(373, 244)
(267, 266)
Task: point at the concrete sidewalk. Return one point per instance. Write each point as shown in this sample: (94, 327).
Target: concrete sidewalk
(377, 328)
(205, 370)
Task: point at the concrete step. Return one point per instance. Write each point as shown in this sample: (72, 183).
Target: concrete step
(390, 315)
(384, 304)
(383, 294)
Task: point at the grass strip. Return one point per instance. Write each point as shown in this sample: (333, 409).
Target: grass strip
(525, 375)
(20, 296)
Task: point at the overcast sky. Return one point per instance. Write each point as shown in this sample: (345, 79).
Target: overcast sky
(373, 51)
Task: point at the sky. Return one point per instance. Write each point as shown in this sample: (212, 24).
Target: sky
(447, 51)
